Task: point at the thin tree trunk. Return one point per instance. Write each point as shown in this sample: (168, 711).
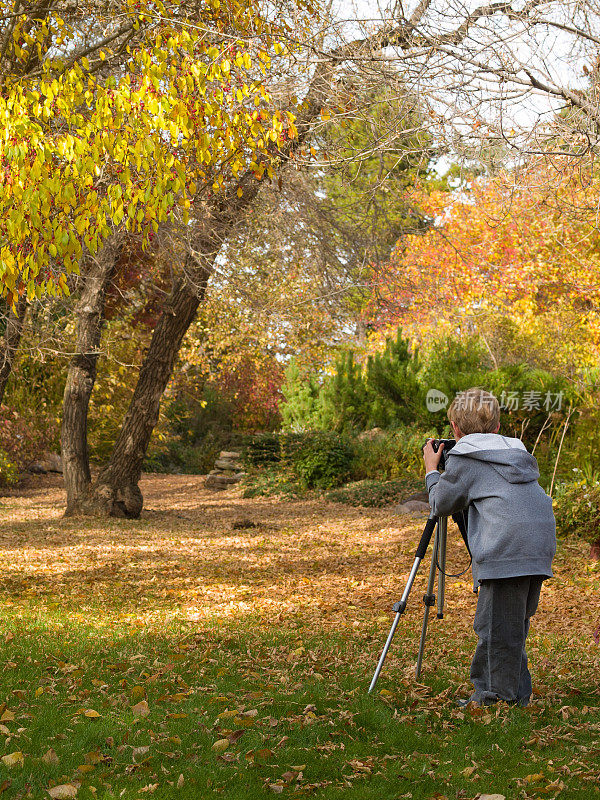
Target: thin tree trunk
(116, 491)
(97, 273)
(11, 340)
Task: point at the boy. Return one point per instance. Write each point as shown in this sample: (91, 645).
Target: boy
(511, 534)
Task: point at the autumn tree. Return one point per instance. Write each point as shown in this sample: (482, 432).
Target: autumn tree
(116, 489)
(102, 140)
(507, 263)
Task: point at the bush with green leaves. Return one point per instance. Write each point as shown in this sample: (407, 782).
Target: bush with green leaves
(323, 460)
(577, 510)
(262, 449)
(9, 474)
(387, 455)
(384, 392)
(374, 493)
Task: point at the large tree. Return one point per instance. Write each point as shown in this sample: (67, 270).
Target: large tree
(454, 60)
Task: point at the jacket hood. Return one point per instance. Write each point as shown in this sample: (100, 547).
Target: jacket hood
(508, 456)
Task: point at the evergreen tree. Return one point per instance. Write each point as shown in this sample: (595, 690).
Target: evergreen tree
(301, 391)
(344, 400)
(386, 393)
(392, 383)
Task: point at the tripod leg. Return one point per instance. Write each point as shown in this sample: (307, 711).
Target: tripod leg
(429, 600)
(385, 650)
(401, 604)
(441, 562)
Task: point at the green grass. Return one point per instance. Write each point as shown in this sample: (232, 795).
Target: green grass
(265, 638)
(298, 703)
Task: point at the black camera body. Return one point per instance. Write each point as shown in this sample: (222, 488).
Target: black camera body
(448, 445)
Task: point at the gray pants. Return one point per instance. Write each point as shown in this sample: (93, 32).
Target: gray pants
(499, 667)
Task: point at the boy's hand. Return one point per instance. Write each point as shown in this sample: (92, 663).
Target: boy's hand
(430, 457)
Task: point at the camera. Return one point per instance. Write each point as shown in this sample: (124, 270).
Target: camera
(448, 445)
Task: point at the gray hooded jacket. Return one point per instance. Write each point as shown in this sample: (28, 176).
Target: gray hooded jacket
(511, 527)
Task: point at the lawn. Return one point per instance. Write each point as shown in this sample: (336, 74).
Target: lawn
(183, 656)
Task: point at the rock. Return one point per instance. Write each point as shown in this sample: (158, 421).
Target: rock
(423, 497)
(54, 463)
(222, 480)
(412, 507)
(225, 463)
(51, 462)
(242, 524)
(370, 435)
(229, 454)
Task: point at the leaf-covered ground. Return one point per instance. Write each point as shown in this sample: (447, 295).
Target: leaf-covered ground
(180, 656)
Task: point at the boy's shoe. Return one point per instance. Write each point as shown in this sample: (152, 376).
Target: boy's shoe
(463, 702)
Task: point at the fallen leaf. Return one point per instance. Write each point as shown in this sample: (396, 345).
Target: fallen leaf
(138, 693)
(63, 792)
(91, 714)
(180, 781)
(220, 745)
(7, 716)
(141, 709)
(538, 776)
(15, 759)
(264, 754)
(50, 757)
(138, 752)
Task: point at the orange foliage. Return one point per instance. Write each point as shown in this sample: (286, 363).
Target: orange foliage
(497, 250)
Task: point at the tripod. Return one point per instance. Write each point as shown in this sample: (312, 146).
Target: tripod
(438, 564)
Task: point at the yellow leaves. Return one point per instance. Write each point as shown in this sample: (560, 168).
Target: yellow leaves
(90, 713)
(57, 193)
(220, 746)
(534, 778)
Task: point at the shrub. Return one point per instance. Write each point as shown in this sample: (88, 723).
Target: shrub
(390, 454)
(374, 493)
(262, 449)
(25, 438)
(577, 510)
(9, 473)
(323, 460)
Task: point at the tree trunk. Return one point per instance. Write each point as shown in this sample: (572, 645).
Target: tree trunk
(97, 273)
(116, 491)
(11, 340)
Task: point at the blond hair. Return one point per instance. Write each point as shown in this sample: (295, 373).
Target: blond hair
(475, 411)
